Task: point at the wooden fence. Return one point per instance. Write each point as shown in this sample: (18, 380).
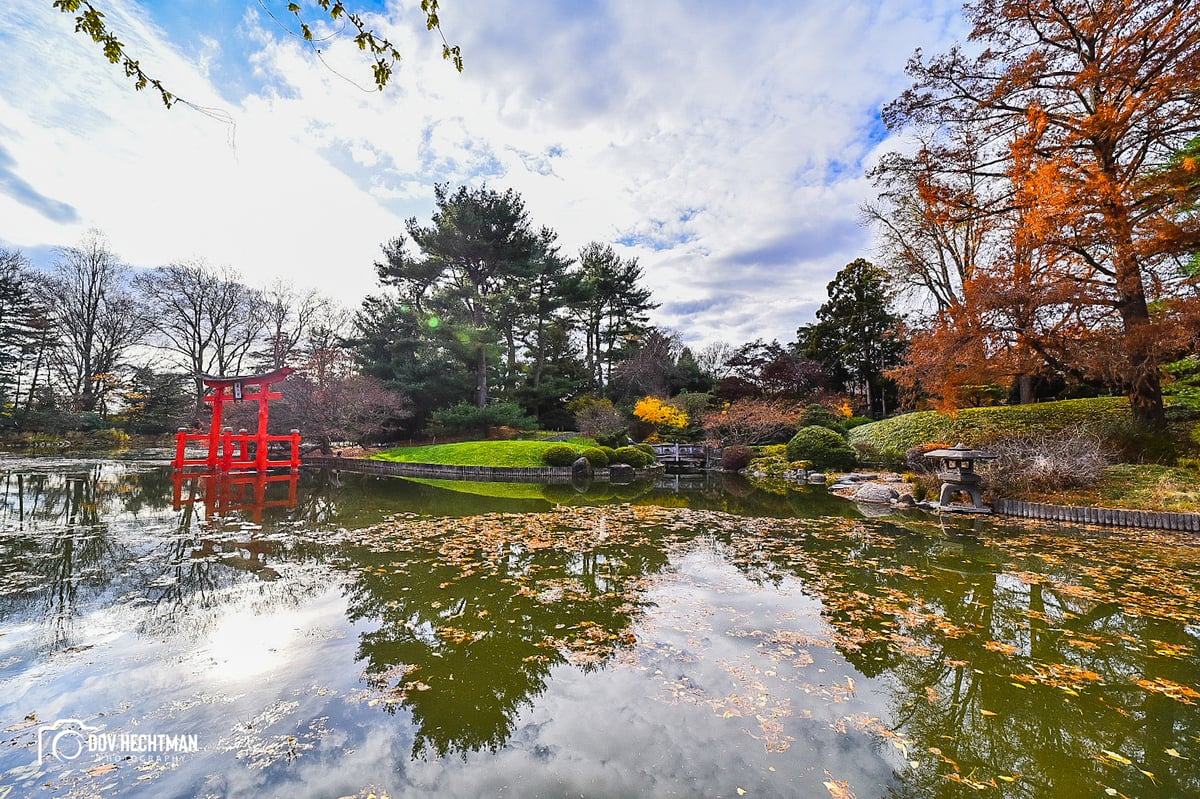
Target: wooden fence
(1108, 517)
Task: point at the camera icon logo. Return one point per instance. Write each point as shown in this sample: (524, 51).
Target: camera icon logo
(63, 740)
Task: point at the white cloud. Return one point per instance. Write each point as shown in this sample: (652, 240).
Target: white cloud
(721, 142)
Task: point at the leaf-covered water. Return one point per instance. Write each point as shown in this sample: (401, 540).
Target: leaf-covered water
(388, 637)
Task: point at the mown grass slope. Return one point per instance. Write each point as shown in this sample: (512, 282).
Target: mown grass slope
(517, 454)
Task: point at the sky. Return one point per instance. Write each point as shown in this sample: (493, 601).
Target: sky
(722, 143)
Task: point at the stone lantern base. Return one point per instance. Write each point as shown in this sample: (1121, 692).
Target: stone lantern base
(955, 481)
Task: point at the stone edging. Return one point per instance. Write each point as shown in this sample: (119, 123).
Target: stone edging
(508, 474)
(1108, 517)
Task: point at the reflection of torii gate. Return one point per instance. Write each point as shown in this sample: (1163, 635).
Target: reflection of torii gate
(229, 451)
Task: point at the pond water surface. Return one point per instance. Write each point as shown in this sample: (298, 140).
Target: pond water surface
(343, 635)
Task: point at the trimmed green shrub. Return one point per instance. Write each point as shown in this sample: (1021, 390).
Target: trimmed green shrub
(824, 448)
(816, 415)
(856, 421)
(646, 448)
(633, 456)
(597, 457)
(560, 455)
(608, 452)
(735, 457)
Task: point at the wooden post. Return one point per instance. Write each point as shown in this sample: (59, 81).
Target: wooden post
(214, 428)
(180, 447)
(226, 444)
(260, 495)
(264, 413)
(295, 462)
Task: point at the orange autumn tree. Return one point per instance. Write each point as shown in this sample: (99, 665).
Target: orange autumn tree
(1079, 108)
(941, 219)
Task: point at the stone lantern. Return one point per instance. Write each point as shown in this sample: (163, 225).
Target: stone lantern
(957, 473)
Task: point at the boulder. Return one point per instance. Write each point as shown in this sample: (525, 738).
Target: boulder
(873, 492)
(816, 478)
(621, 473)
(581, 469)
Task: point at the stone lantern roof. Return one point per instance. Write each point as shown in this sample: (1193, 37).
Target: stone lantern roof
(960, 453)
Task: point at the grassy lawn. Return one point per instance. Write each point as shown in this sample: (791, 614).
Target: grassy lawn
(1137, 486)
(480, 453)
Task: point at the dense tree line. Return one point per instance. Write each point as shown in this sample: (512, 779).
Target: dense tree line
(480, 307)
(480, 320)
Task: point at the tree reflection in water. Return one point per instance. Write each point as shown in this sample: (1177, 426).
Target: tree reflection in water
(1017, 660)
(58, 546)
(61, 554)
(472, 623)
(1022, 661)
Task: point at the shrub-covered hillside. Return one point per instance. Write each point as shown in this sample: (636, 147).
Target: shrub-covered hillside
(888, 440)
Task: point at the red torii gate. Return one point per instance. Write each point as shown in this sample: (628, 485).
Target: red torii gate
(229, 451)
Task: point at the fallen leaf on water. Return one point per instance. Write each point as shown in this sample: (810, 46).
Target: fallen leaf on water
(838, 789)
(986, 713)
(1174, 753)
(1114, 756)
(741, 791)
(97, 771)
(21, 725)
(968, 781)
(1174, 690)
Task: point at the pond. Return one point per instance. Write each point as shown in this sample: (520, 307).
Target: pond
(342, 635)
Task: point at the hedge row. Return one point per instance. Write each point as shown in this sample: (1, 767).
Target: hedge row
(599, 457)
